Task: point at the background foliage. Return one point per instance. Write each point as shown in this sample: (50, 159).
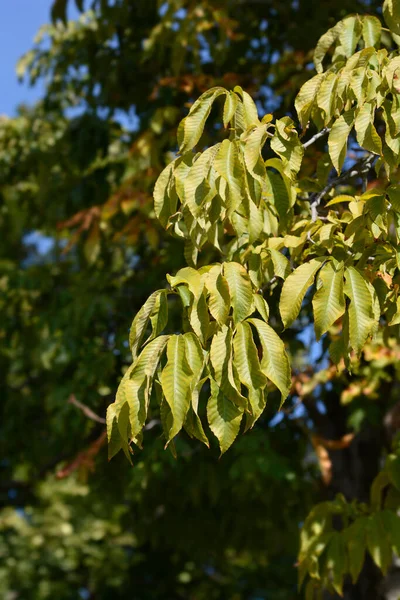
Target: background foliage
(81, 250)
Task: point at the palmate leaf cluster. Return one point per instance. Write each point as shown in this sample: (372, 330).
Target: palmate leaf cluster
(277, 231)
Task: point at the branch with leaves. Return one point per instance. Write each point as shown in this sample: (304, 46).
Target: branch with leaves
(213, 376)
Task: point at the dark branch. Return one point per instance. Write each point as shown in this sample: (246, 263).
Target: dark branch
(362, 167)
(316, 137)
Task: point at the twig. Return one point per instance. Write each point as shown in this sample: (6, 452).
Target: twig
(85, 409)
(316, 137)
(85, 458)
(361, 168)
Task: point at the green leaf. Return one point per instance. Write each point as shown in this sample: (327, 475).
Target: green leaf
(305, 99)
(182, 167)
(378, 543)
(246, 358)
(221, 358)
(339, 199)
(323, 45)
(133, 394)
(335, 561)
(191, 277)
(361, 318)
(198, 312)
(350, 34)
(140, 322)
(391, 14)
(249, 369)
(287, 145)
(176, 380)
(275, 362)
(254, 143)
(337, 140)
(281, 263)
(118, 417)
(250, 113)
(230, 105)
(367, 136)
(261, 306)
(326, 96)
(294, 289)
(219, 300)
(159, 315)
(391, 522)
(371, 31)
(192, 126)
(240, 290)
(356, 545)
(328, 301)
(256, 222)
(164, 206)
(196, 359)
(196, 184)
(224, 418)
(227, 164)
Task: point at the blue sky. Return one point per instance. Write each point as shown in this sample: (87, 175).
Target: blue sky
(19, 22)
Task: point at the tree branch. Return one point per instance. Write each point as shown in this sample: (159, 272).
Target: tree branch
(316, 137)
(362, 167)
(88, 412)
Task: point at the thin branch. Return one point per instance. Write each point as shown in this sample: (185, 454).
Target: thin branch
(88, 412)
(362, 167)
(316, 137)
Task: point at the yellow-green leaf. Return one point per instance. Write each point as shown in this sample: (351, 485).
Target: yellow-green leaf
(164, 207)
(378, 543)
(192, 126)
(356, 544)
(323, 45)
(219, 300)
(337, 141)
(196, 359)
(254, 143)
(391, 14)
(275, 362)
(230, 105)
(240, 290)
(222, 365)
(227, 164)
(132, 399)
(140, 322)
(261, 305)
(249, 369)
(335, 561)
(246, 358)
(176, 379)
(294, 289)
(305, 99)
(287, 145)
(361, 317)
(328, 301)
(224, 418)
(372, 30)
(350, 33)
(159, 315)
(367, 136)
